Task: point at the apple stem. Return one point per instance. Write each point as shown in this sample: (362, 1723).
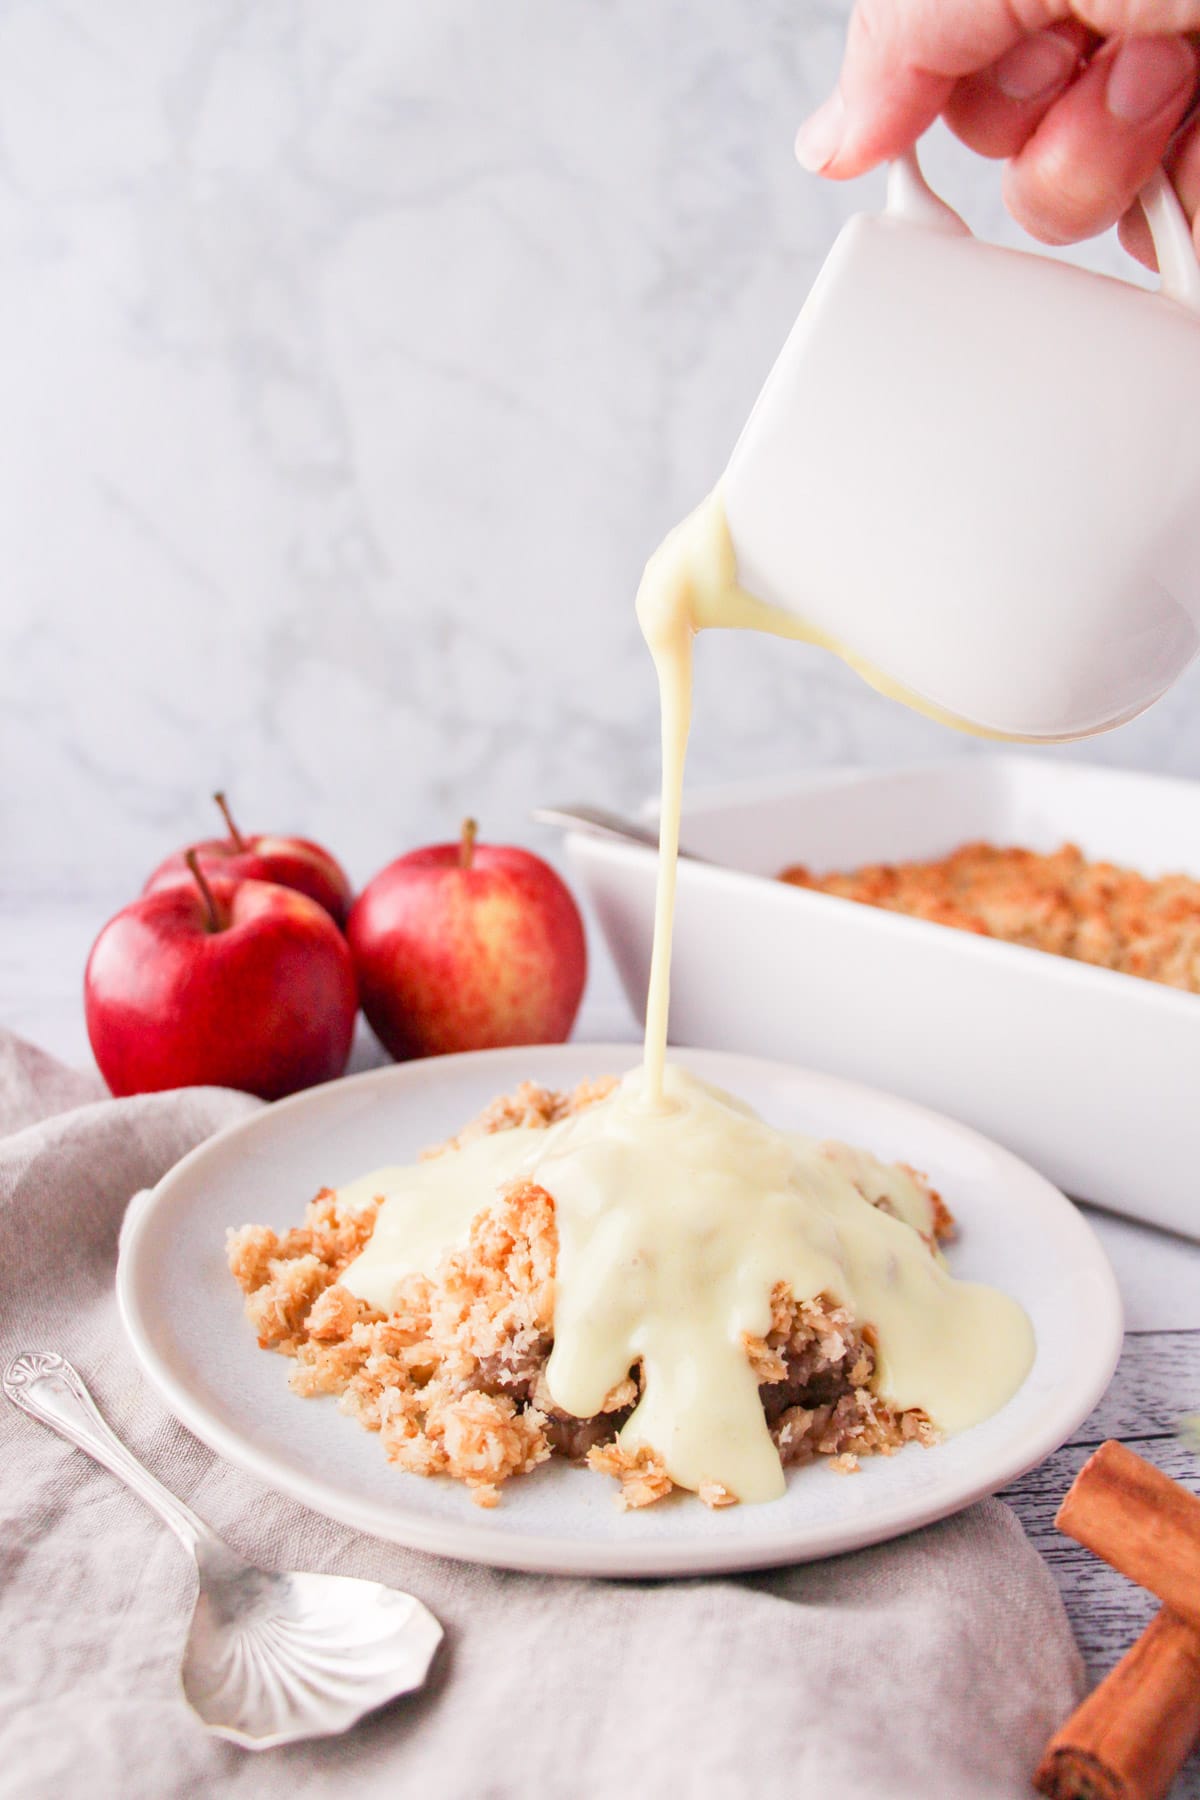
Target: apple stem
(193, 863)
(466, 844)
(239, 842)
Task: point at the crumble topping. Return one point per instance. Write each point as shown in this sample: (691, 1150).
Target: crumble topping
(1092, 912)
(453, 1377)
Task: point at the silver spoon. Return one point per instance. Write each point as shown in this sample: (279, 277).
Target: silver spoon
(597, 821)
(269, 1658)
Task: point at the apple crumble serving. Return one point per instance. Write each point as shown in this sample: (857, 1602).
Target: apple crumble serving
(453, 1376)
(1093, 912)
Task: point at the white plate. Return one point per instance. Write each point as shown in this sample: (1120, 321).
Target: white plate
(183, 1314)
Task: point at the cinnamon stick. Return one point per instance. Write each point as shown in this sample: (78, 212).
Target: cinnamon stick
(1141, 1522)
(1132, 1734)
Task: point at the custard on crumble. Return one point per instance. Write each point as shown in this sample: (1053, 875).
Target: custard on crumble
(453, 1377)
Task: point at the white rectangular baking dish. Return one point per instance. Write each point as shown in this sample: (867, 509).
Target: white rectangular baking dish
(1094, 1077)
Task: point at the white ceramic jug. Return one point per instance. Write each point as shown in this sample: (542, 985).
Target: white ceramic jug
(977, 470)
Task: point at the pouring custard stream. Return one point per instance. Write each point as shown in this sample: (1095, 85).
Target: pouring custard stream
(680, 1214)
(690, 584)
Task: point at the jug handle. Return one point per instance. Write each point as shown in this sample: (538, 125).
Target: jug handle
(910, 196)
(1174, 245)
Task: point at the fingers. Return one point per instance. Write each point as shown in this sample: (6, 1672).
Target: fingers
(1098, 144)
(1128, 18)
(998, 110)
(902, 60)
(904, 57)
(1183, 166)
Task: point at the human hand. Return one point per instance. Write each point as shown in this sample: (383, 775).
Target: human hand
(1085, 98)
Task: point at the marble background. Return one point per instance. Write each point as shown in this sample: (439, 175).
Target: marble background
(352, 359)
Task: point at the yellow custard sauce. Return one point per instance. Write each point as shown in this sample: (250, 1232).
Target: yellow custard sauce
(678, 1210)
(675, 1222)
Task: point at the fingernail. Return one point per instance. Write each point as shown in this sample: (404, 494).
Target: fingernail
(1035, 66)
(1146, 74)
(819, 138)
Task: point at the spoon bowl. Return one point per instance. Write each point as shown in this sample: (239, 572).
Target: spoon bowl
(272, 1658)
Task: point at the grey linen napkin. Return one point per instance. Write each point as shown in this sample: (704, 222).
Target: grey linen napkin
(934, 1666)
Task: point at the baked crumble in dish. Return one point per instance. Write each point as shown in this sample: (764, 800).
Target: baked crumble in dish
(1092, 912)
(453, 1377)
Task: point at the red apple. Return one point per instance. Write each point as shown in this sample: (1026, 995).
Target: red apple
(222, 983)
(291, 861)
(466, 946)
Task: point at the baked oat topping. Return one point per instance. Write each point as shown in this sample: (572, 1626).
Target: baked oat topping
(1093, 912)
(453, 1377)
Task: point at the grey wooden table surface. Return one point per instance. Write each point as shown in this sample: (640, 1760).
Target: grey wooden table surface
(1157, 1383)
(1158, 1379)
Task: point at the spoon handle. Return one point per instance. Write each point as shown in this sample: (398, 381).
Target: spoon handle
(598, 821)
(44, 1385)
